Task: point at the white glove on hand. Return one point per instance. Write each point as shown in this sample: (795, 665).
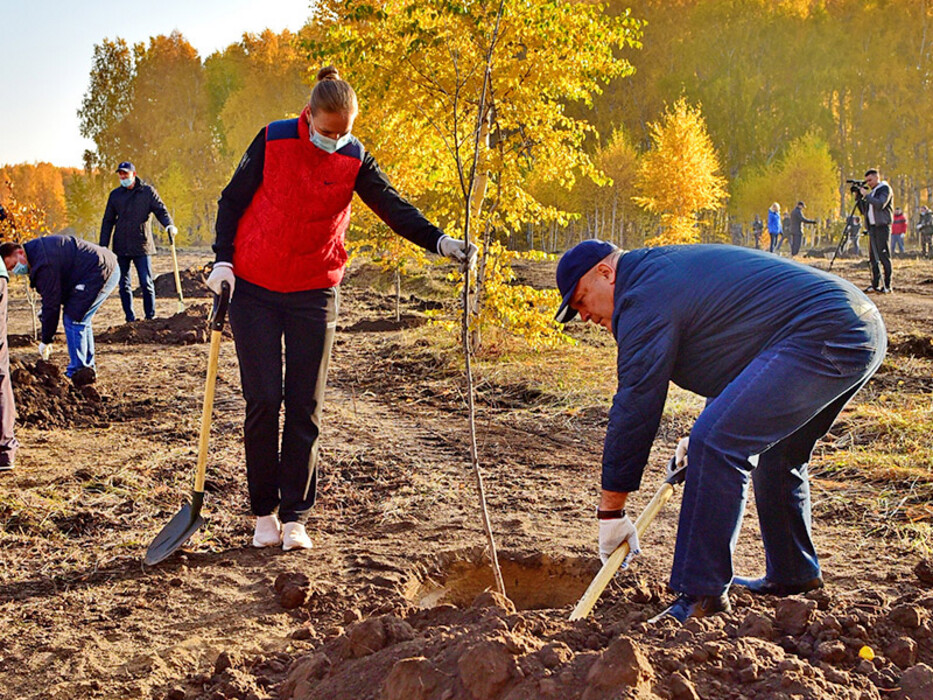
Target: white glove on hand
(172, 231)
(455, 249)
(222, 272)
(680, 452)
(45, 351)
(612, 533)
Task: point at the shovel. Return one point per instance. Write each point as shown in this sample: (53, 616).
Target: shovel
(605, 574)
(181, 298)
(187, 521)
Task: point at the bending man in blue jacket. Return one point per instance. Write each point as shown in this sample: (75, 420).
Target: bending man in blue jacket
(73, 275)
(778, 349)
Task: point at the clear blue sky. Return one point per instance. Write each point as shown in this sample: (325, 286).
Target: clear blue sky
(46, 50)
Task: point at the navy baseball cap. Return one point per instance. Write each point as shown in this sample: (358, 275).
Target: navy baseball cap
(127, 166)
(575, 263)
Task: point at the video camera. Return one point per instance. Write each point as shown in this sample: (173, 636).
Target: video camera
(855, 186)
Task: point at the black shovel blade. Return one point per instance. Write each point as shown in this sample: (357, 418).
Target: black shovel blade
(178, 531)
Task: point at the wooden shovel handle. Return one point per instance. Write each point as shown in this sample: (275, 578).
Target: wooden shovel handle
(602, 579)
(181, 298)
(217, 324)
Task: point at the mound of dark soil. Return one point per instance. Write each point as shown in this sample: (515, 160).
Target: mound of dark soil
(382, 325)
(192, 284)
(185, 328)
(420, 644)
(799, 647)
(21, 340)
(46, 398)
(911, 344)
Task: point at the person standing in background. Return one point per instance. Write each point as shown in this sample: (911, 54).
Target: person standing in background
(797, 220)
(774, 226)
(898, 229)
(875, 200)
(853, 230)
(925, 228)
(126, 218)
(757, 229)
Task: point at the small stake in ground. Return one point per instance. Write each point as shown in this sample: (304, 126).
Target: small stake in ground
(602, 579)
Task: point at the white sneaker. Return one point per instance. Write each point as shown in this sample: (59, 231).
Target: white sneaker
(294, 536)
(268, 532)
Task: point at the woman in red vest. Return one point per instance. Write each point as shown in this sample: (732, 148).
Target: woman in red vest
(281, 223)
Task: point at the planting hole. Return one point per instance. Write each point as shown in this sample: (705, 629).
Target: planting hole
(533, 582)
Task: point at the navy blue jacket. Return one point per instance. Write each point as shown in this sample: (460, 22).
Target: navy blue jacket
(67, 272)
(697, 315)
(127, 219)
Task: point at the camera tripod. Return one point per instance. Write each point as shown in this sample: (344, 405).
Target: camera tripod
(845, 235)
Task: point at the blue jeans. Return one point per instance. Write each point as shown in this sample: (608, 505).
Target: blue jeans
(80, 335)
(143, 265)
(764, 425)
(897, 242)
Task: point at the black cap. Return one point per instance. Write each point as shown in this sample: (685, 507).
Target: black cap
(127, 166)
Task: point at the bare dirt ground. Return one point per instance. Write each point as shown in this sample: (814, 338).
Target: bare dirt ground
(388, 604)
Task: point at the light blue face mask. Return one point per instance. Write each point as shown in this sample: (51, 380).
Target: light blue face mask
(127, 181)
(329, 145)
(21, 269)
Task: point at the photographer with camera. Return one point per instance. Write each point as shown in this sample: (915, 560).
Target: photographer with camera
(875, 199)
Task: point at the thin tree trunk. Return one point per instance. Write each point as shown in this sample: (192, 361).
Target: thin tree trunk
(471, 205)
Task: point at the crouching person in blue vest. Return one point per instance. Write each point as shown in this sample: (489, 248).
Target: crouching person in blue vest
(73, 277)
(777, 348)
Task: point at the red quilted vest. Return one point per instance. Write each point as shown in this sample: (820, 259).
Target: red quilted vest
(291, 236)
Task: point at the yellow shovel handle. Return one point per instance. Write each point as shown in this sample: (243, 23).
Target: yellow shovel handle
(602, 579)
(181, 298)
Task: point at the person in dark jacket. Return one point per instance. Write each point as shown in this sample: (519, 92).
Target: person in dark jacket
(875, 201)
(126, 220)
(778, 349)
(73, 277)
(797, 220)
(853, 231)
(785, 232)
(8, 442)
(757, 229)
(281, 223)
(925, 229)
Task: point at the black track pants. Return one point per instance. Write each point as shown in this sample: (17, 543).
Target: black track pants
(260, 318)
(879, 252)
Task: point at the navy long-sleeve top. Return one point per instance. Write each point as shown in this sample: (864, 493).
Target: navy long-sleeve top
(698, 315)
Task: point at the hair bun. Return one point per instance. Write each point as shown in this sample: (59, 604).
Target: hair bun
(327, 73)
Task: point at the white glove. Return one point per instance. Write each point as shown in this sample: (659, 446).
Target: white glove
(455, 249)
(172, 231)
(680, 452)
(612, 533)
(222, 272)
(45, 351)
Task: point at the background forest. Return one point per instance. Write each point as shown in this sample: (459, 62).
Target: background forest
(637, 120)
